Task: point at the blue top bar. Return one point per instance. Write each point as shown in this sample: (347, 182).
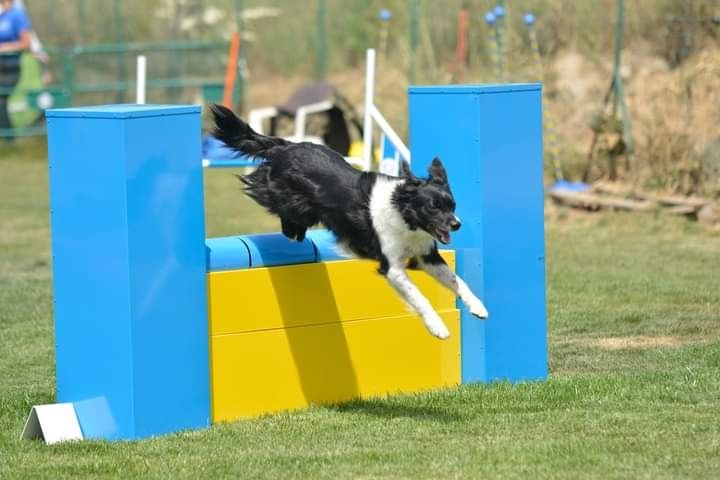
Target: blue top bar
(265, 250)
(226, 253)
(269, 249)
(122, 111)
(478, 88)
(239, 163)
(326, 247)
(272, 249)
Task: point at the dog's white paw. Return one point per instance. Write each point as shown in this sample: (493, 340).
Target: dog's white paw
(436, 327)
(477, 308)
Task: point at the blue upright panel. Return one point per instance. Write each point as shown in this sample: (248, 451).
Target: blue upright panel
(490, 140)
(129, 280)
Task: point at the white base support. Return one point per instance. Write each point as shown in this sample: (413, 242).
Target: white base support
(52, 423)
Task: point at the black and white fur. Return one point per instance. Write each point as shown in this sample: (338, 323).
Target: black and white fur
(394, 220)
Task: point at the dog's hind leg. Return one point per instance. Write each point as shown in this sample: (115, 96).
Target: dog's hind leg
(413, 264)
(436, 267)
(398, 278)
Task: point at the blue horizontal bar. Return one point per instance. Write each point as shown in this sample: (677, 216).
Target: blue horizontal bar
(269, 249)
(326, 247)
(272, 249)
(213, 163)
(226, 253)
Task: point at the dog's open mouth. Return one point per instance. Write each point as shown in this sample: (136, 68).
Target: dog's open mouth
(442, 235)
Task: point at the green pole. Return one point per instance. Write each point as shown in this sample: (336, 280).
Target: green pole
(617, 92)
(500, 31)
(494, 41)
(619, 30)
(617, 78)
(69, 74)
(321, 51)
(414, 20)
(240, 25)
(553, 144)
(119, 28)
(239, 21)
(81, 21)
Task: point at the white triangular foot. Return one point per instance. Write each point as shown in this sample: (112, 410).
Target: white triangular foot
(52, 423)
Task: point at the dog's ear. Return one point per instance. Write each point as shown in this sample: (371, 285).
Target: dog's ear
(407, 174)
(437, 172)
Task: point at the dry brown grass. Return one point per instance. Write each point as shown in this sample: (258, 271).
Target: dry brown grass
(634, 342)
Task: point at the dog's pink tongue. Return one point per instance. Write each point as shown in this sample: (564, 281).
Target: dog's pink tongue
(445, 237)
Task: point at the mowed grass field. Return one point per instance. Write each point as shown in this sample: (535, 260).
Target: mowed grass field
(634, 388)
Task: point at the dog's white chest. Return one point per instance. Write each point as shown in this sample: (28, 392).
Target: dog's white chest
(396, 239)
(417, 243)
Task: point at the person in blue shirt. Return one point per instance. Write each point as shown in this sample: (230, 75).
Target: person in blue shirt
(15, 35)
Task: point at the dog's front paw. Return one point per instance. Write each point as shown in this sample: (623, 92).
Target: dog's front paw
(436, 326)
(477, 308)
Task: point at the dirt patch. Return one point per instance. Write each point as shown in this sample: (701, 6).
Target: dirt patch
(638, 342)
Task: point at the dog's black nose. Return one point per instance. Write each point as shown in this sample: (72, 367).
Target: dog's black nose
(455, 224)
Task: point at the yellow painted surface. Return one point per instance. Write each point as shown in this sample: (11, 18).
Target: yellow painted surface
(287, 337)
(310, 294)
(267, 371)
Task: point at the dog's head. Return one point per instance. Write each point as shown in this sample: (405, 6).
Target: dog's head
(428, 204)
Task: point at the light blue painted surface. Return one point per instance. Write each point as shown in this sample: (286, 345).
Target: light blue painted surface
(219, 155)
(388, 149)
(490, 140)
(123, 111)
(326, 248)
(129, 269)
(270, 249)
(227, 253)
(476, 89)
(214, 163)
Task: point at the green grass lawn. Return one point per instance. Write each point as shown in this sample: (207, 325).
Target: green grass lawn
(634, 390)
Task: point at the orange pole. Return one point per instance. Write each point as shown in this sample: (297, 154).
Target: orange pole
(461, 46)
(231, 72)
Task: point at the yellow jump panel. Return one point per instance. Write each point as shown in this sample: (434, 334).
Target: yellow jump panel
(287, 337)
(311, 294)
(268, 371)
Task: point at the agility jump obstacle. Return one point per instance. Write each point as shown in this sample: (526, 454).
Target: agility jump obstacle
(159, 329)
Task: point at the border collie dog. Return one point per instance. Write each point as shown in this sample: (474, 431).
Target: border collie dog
(394, 220)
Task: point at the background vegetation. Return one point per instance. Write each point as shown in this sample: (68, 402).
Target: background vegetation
(671, 62)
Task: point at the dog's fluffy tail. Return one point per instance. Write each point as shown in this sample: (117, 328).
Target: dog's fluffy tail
(238, 135)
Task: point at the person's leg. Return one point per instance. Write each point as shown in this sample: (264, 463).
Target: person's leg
(4, 119)
(9, 77)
